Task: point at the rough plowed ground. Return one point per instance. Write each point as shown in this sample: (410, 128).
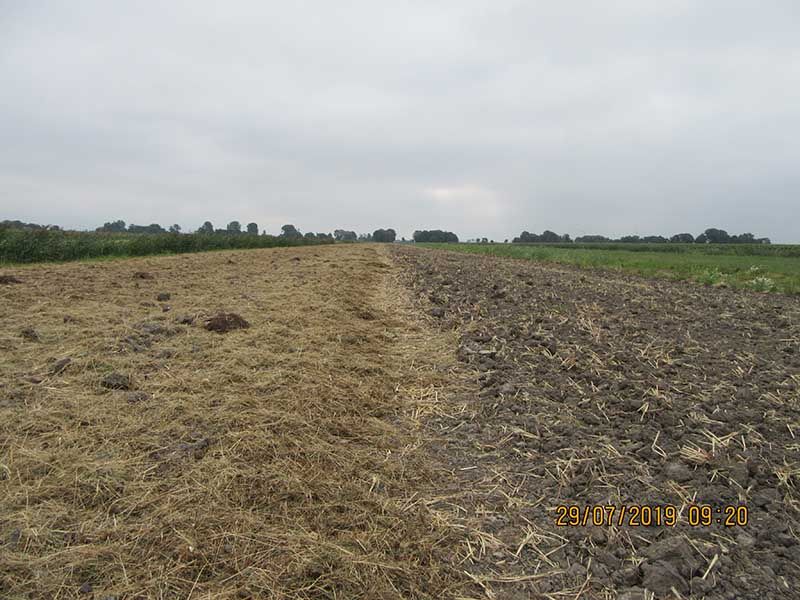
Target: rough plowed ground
(600, 389)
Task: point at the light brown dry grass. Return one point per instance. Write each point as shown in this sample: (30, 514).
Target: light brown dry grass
(280, 461)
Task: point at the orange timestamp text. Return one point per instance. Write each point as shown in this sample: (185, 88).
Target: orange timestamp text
(650, 515)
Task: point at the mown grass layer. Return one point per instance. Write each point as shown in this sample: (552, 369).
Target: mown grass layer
(737, 265)
(24, 246)
(283, 461)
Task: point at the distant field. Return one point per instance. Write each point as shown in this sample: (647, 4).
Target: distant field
(774, 268)
(24, 246)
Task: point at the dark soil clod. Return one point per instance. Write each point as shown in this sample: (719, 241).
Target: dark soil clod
(117, 381)
(163, 296)
(60, 366)
(8, 280)
(143, 275)
(136, 397)
(224, 322)
(30, 334)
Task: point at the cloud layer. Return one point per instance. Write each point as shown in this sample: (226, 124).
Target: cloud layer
(484, 118)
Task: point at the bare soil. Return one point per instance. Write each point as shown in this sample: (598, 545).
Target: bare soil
(614, 390)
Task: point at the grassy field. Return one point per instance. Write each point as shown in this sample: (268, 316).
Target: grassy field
(767, 268)
(25, 246)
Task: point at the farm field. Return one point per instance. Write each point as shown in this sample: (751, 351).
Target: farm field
(767, 268)
(19, 245)
(378, 421)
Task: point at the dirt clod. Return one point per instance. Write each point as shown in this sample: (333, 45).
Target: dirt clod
(117, 381)
(143, 275)
(137, 396)
(163, 296)
(30, 334)
(8, 280)
(224, 322)
(661, 576)
(60, 365)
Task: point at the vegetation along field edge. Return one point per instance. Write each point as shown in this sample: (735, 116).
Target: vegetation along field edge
(741, 266)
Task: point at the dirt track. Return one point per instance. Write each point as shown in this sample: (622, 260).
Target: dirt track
(388, 423)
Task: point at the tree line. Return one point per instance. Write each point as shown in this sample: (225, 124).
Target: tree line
(235, 228)
(709, 236)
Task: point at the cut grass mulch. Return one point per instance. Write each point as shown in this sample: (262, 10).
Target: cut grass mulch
(280, 460)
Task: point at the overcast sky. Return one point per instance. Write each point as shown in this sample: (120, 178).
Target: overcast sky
(485, 118)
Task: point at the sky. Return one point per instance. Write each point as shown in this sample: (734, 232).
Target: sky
(484, 118)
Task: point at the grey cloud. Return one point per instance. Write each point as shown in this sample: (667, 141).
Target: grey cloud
(480, 117)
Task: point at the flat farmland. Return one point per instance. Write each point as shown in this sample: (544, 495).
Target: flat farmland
(377, 421)
(756, 267)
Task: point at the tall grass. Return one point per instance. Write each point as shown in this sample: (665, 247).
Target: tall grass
(26, 246)
(735, 265)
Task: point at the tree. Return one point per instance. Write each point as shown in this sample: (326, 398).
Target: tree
(252, 229)
(364, 237)
(175, 228)
(152, 228)
(547, 236)
(342, 235)
(113, 227)
(743, 238)
(384, 235)
(701, 239)
(436, 236)
(654, 239)
(234, 227)
(525, 238)
(206, 227)
(30, 226)
(717, 236)
(290, 232)
(550, 237)
(682, 238)
(592, 239)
